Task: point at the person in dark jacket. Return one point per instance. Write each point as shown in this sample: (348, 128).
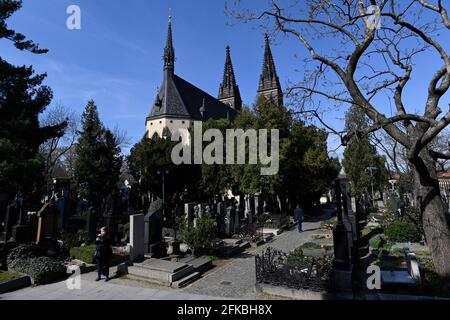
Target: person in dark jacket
(298, 216)
(103, 253)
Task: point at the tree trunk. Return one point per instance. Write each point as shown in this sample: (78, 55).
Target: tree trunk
(433, 211)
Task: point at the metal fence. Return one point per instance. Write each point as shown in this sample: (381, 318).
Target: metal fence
(293, 271)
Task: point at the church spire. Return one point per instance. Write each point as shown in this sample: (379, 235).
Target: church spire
(269, 83)
(169, 52)
(229, 90)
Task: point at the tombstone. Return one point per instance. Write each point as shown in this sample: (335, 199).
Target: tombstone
(229, 221)
(47, 223)
(189, 211)
(354, 204)
(257, 204)
(62, 195)
(196, 214)
(342, 268)
(220, 217)
(236, 226)
(413, 266)
(153, 242)
(248, 210)
(11, 217)
(137, 235)
(22, 231)
(91, 223)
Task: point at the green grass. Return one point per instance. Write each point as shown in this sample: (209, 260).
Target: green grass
(7, 276)
(85, 254)
(212, 258)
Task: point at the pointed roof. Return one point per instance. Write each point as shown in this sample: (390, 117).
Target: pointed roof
(169, 51)
(180, 99)
(269, 79)
(228, 87)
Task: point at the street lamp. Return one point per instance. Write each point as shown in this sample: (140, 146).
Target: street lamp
(371, 170)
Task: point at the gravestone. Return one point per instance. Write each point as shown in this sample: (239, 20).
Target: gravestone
(220, 217)
(236, 226)
(62, 196)
(154, 245)
(47, 223)
(137, 236)
(349, 218)
(22, 231)
(196, 214)
(342, 268)
(91, 223)
(11, 217)
(189, 211)
(229, 221)
(248, 211)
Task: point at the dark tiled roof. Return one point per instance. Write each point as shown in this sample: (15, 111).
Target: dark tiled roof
(185, 100)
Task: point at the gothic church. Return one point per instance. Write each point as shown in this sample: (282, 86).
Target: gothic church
(179, 103)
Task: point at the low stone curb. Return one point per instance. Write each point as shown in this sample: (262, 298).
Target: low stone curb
(302, 294)
(15, 284)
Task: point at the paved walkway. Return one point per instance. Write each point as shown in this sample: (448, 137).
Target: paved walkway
(92, 290)
(234, 280)
(237, 279)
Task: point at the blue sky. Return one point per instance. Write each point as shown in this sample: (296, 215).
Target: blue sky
(116, 58)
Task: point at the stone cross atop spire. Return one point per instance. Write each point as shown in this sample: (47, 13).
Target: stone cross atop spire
(229, 90)
(269, 83)
(169, 52)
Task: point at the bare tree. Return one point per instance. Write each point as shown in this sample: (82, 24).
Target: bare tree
(56, 149)
(355, 60)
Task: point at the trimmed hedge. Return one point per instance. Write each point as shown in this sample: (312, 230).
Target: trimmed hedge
(401, 231)
(23, 250)
(42, 270)
(85, 254)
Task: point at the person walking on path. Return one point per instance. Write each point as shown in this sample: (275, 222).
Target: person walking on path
(103, 253)
(298, 216)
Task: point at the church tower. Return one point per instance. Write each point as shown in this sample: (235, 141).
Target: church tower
(229, 91)
(269, 83)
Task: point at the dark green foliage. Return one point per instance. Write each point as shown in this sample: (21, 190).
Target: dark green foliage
(85, 254)
(75, 238)
(414, 216)
(29, 259)
(361, 154)
(42, 270)
(297, 260)
(147, 161)
(401, 231)
(379, 243)
(216, 178)
(305, 169)
(200, 236)
(432, 283)
(7, 8)
(98, 160)
(22, 99)
(25, 250)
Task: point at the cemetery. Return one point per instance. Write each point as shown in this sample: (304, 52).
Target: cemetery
(349, 204)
